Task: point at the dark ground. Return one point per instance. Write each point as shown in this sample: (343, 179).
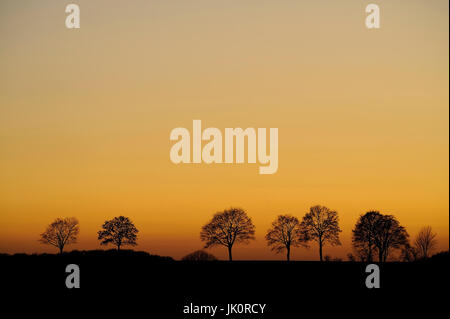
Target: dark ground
(128, 283)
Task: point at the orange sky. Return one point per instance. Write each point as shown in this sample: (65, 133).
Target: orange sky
(85, 116)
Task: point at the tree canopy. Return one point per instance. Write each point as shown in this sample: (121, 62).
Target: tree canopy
(227, 228)
(62, 232)
(375, 232)
(118, 231)
(284, 234)
(321, 224)
(425, 242)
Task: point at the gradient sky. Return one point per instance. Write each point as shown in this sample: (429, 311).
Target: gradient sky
(85, 116)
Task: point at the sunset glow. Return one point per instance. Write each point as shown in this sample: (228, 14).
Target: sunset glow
(86, 116)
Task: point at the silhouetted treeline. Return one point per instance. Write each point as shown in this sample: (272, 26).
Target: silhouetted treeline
(375, 237)
(118, 231)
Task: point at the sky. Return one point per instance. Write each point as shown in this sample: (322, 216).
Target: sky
(86, 115)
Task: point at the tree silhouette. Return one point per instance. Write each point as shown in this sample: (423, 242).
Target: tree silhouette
(425, 242)
(375, 232)
(62, 232)
(118, 231)
(408, 253)
(228, 227)
(322, 225)
(389, 234)
(284, 234)
(199, 255)
(363, 237)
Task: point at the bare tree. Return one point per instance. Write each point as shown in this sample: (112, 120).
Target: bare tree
(425, 242)
(284, 234)
(389, 234)
(378, 233)
(118, 231)
(322, 225)
(62, 232)
(363, 235)
(227, 228)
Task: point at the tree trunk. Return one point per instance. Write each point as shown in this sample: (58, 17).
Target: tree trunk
(288, 254)
(320, 250)
(61, 249)
(118, 247)
(380, 255)
(229, 253)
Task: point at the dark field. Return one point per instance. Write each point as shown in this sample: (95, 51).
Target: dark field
(157, 287)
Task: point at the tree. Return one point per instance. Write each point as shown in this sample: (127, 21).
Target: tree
(228, 227)
(322, 225)
(284, 234)
(425, 242)
(118, 231)
(378, 233)
(389, 234)
(199, 255)
(363, 235)
(408, 253)
(62, 232)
